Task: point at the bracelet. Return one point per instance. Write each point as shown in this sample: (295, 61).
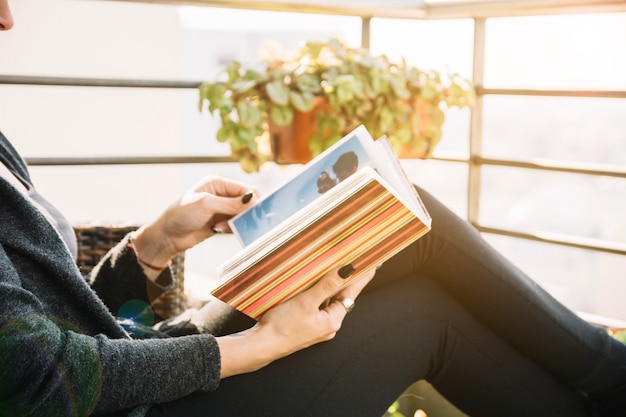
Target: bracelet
(133, 249)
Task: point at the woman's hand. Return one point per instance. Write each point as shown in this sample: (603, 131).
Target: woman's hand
(204, 208)
(304, 320)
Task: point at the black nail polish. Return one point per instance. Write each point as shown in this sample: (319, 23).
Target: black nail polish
(247, 197)
(346, 271)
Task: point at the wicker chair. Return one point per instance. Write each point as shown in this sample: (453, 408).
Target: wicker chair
(94, 241)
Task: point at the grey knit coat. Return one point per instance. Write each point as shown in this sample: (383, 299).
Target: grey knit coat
(62, 352)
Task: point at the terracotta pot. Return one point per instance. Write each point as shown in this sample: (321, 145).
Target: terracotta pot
(420, 116)
(407, 152)
(290, 144)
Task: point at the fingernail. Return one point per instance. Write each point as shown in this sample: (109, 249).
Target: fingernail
(378, 266)
(247, 197)
(217, 230)
(346, 271)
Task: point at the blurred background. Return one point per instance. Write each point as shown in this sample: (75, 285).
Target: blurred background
(522, 54)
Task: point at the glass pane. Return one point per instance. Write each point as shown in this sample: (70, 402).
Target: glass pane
(86, 121)
(216, 36)
(455, 133)
(586, 281)
(441, 45)
(557, 52)
(576, 129)
(137, 40)
(89, 39)
(572, 204)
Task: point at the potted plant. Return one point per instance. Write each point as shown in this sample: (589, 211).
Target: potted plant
(334, 89)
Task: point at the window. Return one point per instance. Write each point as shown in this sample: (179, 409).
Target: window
(575, 52)
(580, 129)
(553, 92)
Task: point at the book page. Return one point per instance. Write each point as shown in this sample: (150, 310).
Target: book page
(353, 152)
(322, 173)
(390, 168)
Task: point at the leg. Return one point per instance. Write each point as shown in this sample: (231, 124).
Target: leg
(512, 305)
(397, 334)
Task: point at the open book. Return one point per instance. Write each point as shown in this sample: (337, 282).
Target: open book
(351, 204)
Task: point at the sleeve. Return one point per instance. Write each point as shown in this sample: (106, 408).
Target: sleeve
(118, 278)
(48, 367)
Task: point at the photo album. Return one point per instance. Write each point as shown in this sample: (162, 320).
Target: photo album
(353, 203)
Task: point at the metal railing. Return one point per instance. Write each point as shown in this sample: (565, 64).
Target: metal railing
(475, 161)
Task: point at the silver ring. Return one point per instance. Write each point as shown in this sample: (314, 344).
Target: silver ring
(347, 303)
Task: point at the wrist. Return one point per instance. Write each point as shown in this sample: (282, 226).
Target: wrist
(151, 252)
(248, 351)
(142, 261)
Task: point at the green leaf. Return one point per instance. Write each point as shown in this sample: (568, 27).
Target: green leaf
(278, 92)
(243, 86)
(253, 75)
(217, 97)
(303, 102)
(364, 108)
(378, 82)
(403, 135)
(345, 90)
(620, 335)
(232, 70)
(428, 92)
(399, 87)
(244, 136)
(308, 83)
(226, 107)
(281, 115)
(359, 88)
(249, 115)
(202, 95)
(387, 121)
(223, 133)
(394, 408)
(314, 49)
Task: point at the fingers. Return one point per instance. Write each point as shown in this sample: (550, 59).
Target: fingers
(220, 199)
(329, 285)
(340, 301)
(301, 322)
(223, 187)
(224, 208)
(229, 205)
(332, 285)
(355, 288)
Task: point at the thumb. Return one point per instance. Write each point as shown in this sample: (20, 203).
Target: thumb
(223, 208)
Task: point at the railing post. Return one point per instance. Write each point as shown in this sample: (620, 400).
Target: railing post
(476, 124)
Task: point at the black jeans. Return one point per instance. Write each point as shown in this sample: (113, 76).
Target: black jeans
(448, 309)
